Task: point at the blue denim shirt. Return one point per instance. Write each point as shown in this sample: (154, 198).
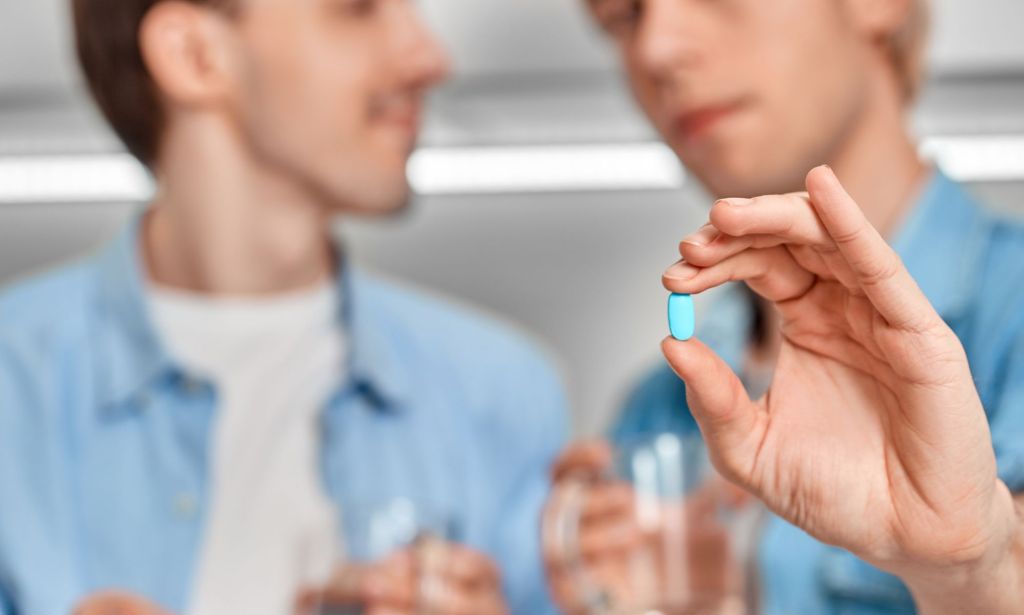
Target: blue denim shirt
(970, 264)
(104, 441)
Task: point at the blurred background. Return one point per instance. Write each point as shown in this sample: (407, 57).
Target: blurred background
(544, 197)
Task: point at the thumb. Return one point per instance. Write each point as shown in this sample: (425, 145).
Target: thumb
(733, 426)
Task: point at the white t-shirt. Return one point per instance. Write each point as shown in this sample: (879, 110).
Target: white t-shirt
(271, 530)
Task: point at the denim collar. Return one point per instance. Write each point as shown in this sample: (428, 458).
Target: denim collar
(136, 359)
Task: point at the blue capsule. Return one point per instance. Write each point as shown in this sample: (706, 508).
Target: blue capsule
(681, 318)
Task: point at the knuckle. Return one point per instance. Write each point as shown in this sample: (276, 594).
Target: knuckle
(728, 219)
(851, 236)
(876, 271)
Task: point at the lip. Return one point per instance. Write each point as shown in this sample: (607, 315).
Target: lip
(406, 114)
(699, 121)
(409, 121)
(404, 126)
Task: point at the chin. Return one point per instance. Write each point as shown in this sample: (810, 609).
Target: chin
(740, 172)
(722, 180)
(383, 200)
(361, 189)
(388, 207)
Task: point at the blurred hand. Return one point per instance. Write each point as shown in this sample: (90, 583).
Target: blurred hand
(872, 436)
(113, 603)
(118, 603)
(607, 528)
(674, 560)
(432, 577)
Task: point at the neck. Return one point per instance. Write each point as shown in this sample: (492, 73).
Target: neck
(224, 223)
(878, 163)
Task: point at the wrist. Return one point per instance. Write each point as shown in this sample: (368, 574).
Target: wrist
(992, 583)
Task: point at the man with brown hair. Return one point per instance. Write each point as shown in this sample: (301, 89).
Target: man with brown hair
(182, 415)
(868, 497)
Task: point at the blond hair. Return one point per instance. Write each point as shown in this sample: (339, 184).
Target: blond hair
(908, 47)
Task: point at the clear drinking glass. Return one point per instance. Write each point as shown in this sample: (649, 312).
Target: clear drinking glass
(376, 531)
(683, 541)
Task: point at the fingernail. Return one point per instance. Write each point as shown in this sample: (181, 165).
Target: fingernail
(702, 237)
(681, 271)
(737, 202)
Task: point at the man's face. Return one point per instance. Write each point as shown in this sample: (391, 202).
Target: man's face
(331, 92)
(750, 94)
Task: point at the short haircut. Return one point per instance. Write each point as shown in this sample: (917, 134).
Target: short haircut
(107, 43)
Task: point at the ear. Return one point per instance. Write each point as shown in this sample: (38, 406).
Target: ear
(880, 19)
(186, 49)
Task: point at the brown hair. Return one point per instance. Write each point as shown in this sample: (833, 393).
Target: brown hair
(107, 42)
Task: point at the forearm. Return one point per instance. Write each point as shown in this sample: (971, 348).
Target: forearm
(994, 586)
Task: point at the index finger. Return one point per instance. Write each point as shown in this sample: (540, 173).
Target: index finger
(787, 216)
(878, 269)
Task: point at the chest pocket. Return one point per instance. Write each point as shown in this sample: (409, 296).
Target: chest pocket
(854, 587)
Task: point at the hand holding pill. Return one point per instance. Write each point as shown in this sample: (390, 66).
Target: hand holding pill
(872, 436)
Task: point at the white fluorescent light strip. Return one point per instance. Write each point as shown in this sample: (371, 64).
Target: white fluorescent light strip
(978, 159)
(555, 168)
(117, 178)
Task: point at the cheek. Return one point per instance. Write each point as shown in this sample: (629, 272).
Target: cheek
(820, 71)
(808, 97)
(338, 84)
(302, 104)
(820, 114)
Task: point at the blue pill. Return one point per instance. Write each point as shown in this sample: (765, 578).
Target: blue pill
(681, 319)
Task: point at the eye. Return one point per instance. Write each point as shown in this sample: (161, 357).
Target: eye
(620, 18)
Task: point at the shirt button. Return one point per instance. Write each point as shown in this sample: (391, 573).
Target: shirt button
(185, 506)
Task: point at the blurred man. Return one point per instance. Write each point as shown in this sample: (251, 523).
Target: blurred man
(183, 414)
(750, 96)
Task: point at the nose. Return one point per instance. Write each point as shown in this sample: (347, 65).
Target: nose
(420, 53)
(666, 41)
